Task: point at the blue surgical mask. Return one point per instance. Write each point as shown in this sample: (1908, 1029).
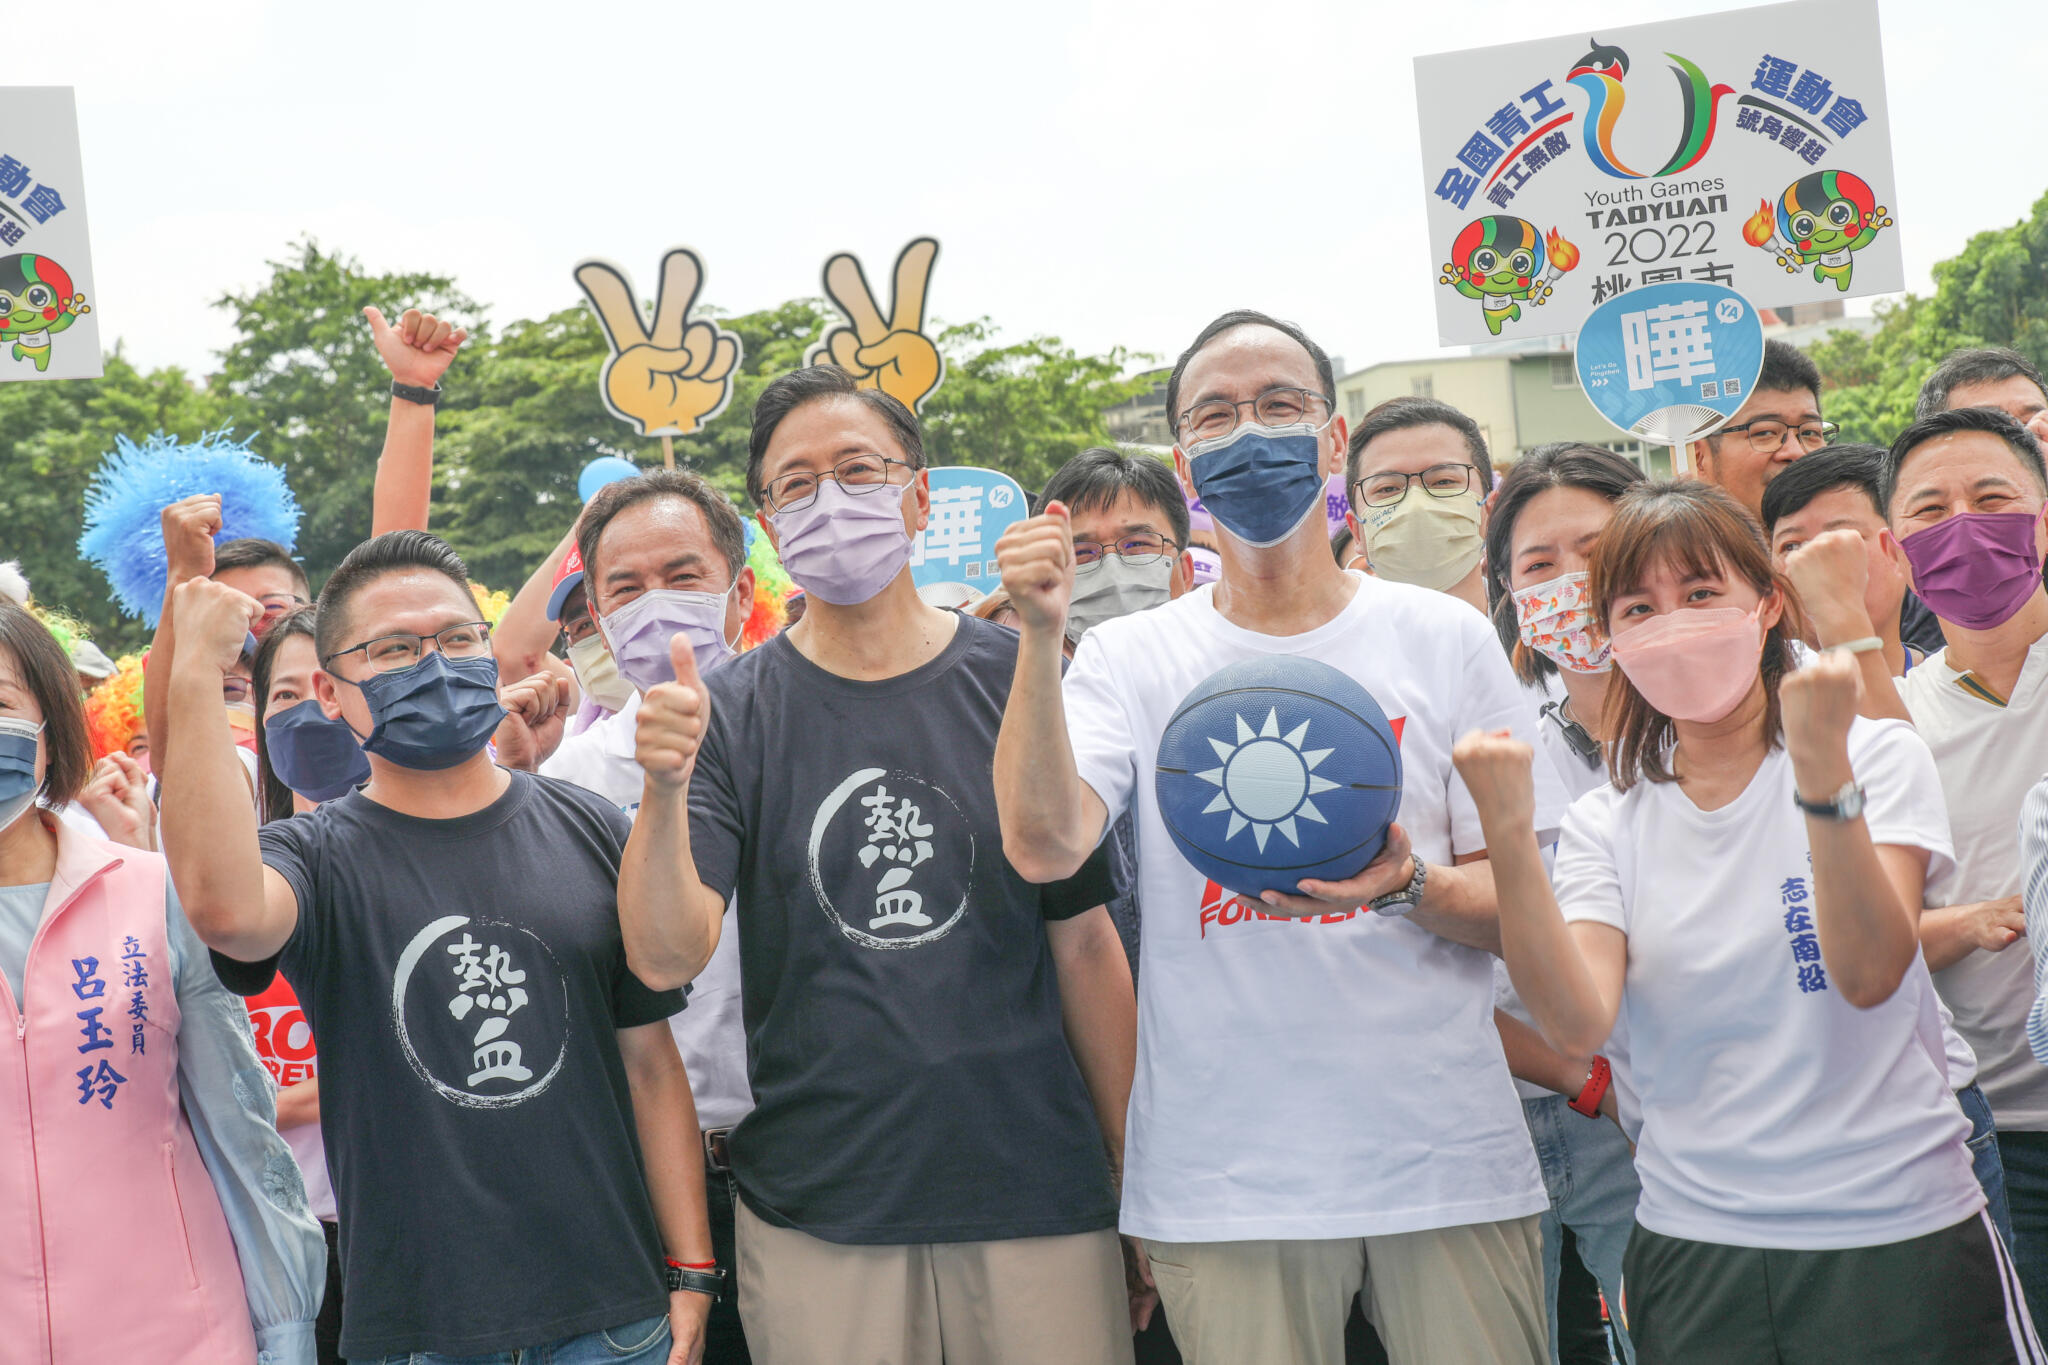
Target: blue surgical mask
(435, 714)
(316, 757)
(17, 768)
(1260, 483)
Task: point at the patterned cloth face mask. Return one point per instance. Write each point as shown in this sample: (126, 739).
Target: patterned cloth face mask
(1557, 621)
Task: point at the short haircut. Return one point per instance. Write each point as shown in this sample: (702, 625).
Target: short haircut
(720, 516)
(1246, 317)
(1789, 369)
(1697, 528)
(1098, 476)
(1991, 421)
(293, 625)
(389, 553)
(1401, 414)
(251, 553)
(1561, 464)
(1974, 365)
(1845, 465)
(46, 671)
(809, 385)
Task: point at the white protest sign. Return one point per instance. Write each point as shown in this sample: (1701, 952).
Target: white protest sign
(49, 328)
(1749, 149)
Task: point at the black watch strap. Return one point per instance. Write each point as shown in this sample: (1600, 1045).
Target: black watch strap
(413, 393)
(710, 1282)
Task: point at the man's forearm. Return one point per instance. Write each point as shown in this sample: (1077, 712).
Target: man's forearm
(404, 489)
(1100, 1013)
(670, 920)
(671, 1151)
(209, 824)
(1458, 903)
(524, 633)
(156, 687)
(1038, 787)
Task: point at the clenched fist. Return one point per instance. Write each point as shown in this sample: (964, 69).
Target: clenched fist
(1499, 773)
(214, 621)
(1036, 559)
(672, 720)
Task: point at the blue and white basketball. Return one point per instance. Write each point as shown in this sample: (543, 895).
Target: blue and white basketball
(1276, 769)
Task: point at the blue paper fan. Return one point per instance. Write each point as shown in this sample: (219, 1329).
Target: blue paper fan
(124, 506)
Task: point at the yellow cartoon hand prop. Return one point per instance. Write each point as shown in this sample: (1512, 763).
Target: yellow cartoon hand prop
(670, 379)
(892, 354)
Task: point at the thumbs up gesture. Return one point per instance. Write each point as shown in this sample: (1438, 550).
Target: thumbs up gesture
(671, 722)
(671, 378)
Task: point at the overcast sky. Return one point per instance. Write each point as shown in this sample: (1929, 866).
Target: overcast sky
(1113, 173)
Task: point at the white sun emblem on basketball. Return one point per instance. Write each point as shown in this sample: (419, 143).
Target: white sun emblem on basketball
(1267, 780)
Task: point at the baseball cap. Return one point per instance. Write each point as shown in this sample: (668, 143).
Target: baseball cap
(567, 578)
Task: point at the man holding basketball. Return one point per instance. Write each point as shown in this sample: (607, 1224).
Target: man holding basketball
(1319, 1085)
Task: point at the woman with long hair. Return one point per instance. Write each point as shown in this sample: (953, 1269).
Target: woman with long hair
(1746, 894)
(142, 1175)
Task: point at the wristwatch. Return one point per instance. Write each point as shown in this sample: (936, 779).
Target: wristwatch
(1404, 901)
(696, 1279)
(1845, 804)
(413, 393)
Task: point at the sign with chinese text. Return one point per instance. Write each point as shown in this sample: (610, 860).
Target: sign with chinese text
(970, 508)
(1750, 149)
(1670, 363)
(48, 329)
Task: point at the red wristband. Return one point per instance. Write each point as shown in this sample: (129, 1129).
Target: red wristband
(691, 1265)
(1588, 1102)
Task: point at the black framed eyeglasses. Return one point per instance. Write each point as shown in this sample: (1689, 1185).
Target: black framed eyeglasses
(1136, 550)
(1280, 406)
(1439, 481)
(389, 653)
(856, 474)
(1767, 434)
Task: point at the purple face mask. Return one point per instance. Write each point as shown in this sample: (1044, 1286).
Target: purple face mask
(1976, 569)
(844, 547)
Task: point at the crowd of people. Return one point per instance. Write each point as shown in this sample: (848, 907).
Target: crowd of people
(397, 984)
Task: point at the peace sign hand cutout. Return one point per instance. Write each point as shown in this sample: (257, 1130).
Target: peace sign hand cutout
(670, 379)
(891, 354)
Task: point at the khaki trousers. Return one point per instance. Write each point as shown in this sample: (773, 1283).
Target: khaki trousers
(1470, 1295)
(1056, 1300)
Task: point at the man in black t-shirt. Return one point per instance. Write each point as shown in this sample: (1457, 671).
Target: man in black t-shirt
(921, 1177)
(507, 1122)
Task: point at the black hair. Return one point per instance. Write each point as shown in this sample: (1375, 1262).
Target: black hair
(1991, 421)
(371, 560)
(1400, 414)
(1561, 464)
(1974, 365)
(293, 625)
(252, 553)
(47, 673)
(791, 391)
(1246, 317)
(1342, 547)
(1099, 476)
(1844, 465)
(721, 518)
(1788, 369)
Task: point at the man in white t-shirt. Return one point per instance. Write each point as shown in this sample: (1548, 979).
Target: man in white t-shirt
(676, 542)
(1964, 494)
(1320, 1090)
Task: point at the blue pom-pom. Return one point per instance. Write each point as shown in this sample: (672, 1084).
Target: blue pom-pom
(124, 506)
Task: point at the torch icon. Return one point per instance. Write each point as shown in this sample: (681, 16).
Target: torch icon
(1562, 256)
(1761, 231)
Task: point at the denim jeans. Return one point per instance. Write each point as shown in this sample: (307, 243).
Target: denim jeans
(635, 1343)
(1591, 1177)
(1985, 1161)
(2025, 1156)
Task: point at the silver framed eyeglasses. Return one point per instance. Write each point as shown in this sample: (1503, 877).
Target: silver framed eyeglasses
(1136, 550)
(856, 474)
(1280, 406)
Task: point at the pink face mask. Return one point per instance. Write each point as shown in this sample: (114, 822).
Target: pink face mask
(1695, 664)
(1556, 620)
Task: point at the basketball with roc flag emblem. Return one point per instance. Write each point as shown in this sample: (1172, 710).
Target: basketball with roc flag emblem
(1276, 769)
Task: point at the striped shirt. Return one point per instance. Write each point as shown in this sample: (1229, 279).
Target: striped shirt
(2034, 900)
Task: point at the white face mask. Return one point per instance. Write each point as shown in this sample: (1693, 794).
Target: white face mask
(597, 673)
(1112, 588)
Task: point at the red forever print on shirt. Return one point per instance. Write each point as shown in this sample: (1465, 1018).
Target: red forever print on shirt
(283, 1040)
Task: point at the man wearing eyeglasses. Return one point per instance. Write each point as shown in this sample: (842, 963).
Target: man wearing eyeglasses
(510, 1129)
(939, 1051)
(1779, 422)
(1419, 477)
(1321, 1101)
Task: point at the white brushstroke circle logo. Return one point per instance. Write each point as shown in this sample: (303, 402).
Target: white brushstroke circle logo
(481, 1014)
